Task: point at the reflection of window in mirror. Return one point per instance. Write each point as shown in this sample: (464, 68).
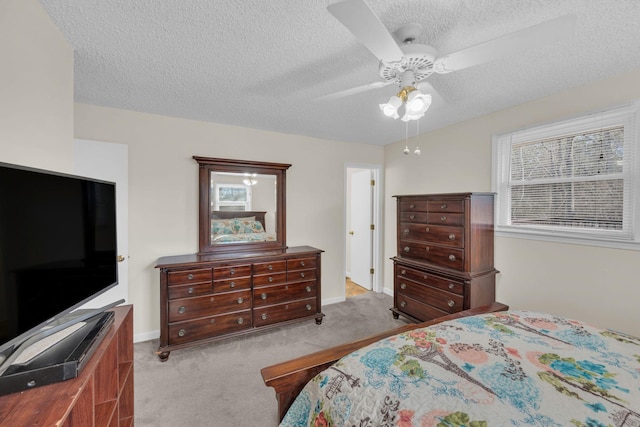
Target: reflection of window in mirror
(232, 197)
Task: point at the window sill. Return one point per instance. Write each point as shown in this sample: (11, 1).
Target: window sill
(571, 240)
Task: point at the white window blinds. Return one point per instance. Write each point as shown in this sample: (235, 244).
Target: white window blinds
(576, 178)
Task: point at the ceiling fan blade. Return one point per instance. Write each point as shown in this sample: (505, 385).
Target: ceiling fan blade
(525, 39)
(354, 90)
(358, 17)
(426, 87)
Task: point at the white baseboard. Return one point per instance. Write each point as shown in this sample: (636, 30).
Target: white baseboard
(146, 336)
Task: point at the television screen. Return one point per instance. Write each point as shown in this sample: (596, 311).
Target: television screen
(57, 247)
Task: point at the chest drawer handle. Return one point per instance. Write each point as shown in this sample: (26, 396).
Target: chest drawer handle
(407, 248)
(240, 320)
(452, 257)
(270, 267)
(406, 231)
(190, 277)
(443, 218)
(270, 279)
(232, 284)
(301, 263)
(452, 236)
(412, 206)
(308, 289)
(240, 300)
(181, 309)
(403, 272)
(264, 316)
(308, 307)
(212, 299)
(403, 286)
(181, 332)
(412, 216)
(190, 290)
(301, 274)
(427, 229)
(403, 303)
(443, 206)
(451, 286)
(232, 271)
(450, 303)
(263, 296)
(212, 321)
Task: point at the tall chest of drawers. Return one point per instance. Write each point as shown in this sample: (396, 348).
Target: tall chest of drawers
(444, 261)
(206, 298)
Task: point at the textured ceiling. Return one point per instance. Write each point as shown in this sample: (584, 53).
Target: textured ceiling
(264, 64)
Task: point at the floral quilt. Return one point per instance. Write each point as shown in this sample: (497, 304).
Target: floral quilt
(501, 369)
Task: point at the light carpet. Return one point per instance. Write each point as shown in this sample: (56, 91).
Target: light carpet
(219, 384)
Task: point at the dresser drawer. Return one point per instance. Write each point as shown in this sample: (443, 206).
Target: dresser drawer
(453, 286)
(194, 330)
(417, 309)
(280, 294)
(230, 272)
(282, 312)
(270, 267)
(414, 206)
(230, 285)
(445, 218)
(183, 277)
(189, 290)
(269, 279)
(445, 301)
(443, 235)
(419, 217)
(301, 275)
(439, 255)
(191, 308)
(445, 205)
(300, 263)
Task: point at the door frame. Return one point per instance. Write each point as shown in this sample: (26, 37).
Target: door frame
(377, 172)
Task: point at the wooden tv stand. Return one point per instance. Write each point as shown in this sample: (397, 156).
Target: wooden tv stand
(102, 395)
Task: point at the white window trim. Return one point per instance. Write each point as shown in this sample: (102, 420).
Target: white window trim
(592, 237)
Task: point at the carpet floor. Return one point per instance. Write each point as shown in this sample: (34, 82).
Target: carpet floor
(219, 384)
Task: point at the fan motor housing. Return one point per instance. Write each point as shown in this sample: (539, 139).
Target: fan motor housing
(418, 58)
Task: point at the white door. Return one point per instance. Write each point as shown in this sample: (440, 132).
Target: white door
(360, 232)
(109, 162)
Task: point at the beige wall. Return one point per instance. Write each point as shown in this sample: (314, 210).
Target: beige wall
(595, 284)
(36, 88)
(163, 193)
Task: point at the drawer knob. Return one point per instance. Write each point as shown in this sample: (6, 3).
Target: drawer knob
(308, 289)
(264, 316)
(452, 236)
(232, 284)
(270, 267)
(190, 290)
(407, 248)
(240, 300)
(450, 303)
(427, 248)
(452, 257)
(403, 271)
(212, 299)
(451, 286)
(240, 320)
(308, 307)
(263, 296)
(443, 206)
(270, 279)
(403, 303)
(301, 263)
(406, 231)
(427, 229)
(412, 216)
(443, 218)
(212, 321)
(232, 271)
(403, 286)
(412, 206)
(302, 274)
(181, 332)
(190, 276)
(181, 309)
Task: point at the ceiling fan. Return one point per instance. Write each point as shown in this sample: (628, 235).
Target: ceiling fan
(408, 64)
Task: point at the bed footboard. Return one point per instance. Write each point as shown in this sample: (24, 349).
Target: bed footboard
(288, 378)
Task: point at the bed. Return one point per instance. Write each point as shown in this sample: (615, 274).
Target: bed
(481, 367)
(239, 226)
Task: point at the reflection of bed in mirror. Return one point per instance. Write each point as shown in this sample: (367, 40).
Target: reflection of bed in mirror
(239, 226)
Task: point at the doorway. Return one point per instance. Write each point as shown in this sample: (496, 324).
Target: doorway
(362, 213)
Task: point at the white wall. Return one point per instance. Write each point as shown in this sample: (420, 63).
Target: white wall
(598, 285)
(36, 89)
(163, 191)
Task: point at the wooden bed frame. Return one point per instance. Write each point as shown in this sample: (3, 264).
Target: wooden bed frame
(288, 378)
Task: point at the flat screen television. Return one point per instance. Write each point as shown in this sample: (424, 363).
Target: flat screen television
(58, 248)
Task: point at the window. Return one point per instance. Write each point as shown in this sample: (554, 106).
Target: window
(575, 181)
(232, 197)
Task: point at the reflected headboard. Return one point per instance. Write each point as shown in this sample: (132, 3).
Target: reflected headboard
(240, 214)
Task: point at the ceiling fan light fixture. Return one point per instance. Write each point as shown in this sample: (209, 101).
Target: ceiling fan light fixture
(418, 102)
(390, 109)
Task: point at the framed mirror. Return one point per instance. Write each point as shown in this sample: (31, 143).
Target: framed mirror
(242, 205)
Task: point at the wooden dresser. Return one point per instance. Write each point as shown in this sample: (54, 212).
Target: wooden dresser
(444, 261)
(208, 297)
(101, 395)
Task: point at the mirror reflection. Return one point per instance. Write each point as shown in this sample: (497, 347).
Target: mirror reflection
(243, 207)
